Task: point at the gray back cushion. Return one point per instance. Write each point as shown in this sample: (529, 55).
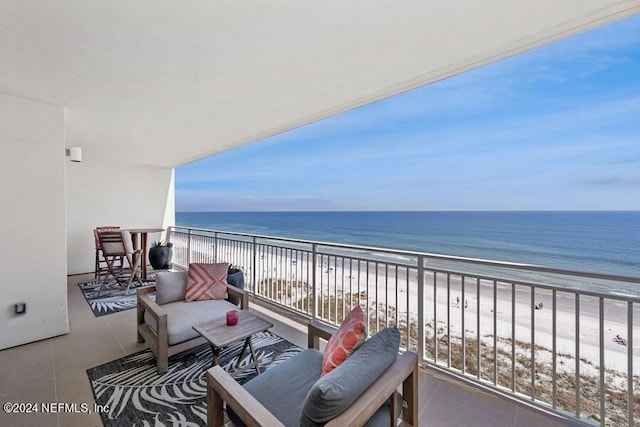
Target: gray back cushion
(333, 393)
(170, 286)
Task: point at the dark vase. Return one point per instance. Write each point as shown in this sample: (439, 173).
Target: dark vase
(160, 257)
(235, 279)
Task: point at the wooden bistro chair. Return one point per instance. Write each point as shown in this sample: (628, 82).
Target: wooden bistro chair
(117, 245)
(101, 265)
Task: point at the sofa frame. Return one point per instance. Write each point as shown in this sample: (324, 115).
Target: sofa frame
(221, 388)
(158, 342)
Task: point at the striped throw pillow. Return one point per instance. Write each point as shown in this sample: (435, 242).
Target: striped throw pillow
(207, 281)
(352, 333)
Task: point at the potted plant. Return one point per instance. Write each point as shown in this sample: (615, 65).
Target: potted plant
(235, 277)
(160, 255)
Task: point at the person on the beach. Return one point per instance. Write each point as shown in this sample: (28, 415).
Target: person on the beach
(620, 340)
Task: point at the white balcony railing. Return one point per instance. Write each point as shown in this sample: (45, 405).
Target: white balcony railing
(524, 330)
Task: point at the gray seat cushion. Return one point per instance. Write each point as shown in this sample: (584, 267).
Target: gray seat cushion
(182, 316)
(332, 394)
(283, 388)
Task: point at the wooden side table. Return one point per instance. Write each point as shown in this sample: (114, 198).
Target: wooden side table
(219, 335)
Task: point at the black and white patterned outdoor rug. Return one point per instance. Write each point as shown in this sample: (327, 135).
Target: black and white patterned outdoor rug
(113, 298)
(133, 393)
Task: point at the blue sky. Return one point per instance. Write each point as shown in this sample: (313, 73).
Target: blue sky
(556, 128)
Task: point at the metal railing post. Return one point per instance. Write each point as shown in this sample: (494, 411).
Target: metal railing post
(435, 316)
(630, 399)
(533, 343)
(462, 332)
(254, 267)
(577, 367)
(188, 247)
(478, 335)
(215, 247)
(421, 307)
(513, 337)
(554, 351)
(314, 265)
(602, 368)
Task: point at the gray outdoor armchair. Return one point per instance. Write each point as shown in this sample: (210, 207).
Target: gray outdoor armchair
(166, 324)
(360, 391)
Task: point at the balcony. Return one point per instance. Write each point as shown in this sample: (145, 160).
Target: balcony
(559, 340)
(54, 370)
(293, 281)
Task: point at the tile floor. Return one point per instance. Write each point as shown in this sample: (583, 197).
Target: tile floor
(54, 370)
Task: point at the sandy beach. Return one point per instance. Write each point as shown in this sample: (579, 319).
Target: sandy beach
(337, 276)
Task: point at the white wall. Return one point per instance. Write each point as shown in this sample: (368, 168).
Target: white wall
(48, 209)
(33, 255)
(126, 194)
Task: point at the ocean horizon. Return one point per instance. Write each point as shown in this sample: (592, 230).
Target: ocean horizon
(606, 242)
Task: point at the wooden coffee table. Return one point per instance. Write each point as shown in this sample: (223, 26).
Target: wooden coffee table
(219, 335)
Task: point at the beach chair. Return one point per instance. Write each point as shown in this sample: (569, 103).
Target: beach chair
(117, 246)
(100, 264)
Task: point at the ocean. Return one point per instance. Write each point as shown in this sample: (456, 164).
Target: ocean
(592, 241)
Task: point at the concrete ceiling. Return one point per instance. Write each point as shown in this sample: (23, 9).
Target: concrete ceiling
(165, 82)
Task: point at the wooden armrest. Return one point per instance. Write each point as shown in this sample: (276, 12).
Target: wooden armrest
(146, 290)
(158, 339)
(382, 389)
(240, 293)
(317, 330)
(149, 305)
(144, 331)
(222, 388)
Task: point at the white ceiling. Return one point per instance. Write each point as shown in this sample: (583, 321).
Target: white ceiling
(165, 82)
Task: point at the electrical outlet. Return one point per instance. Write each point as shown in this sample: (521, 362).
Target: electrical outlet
(20, 308)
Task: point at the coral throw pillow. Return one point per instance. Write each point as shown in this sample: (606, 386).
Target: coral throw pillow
(207, 281)
(345, 341)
